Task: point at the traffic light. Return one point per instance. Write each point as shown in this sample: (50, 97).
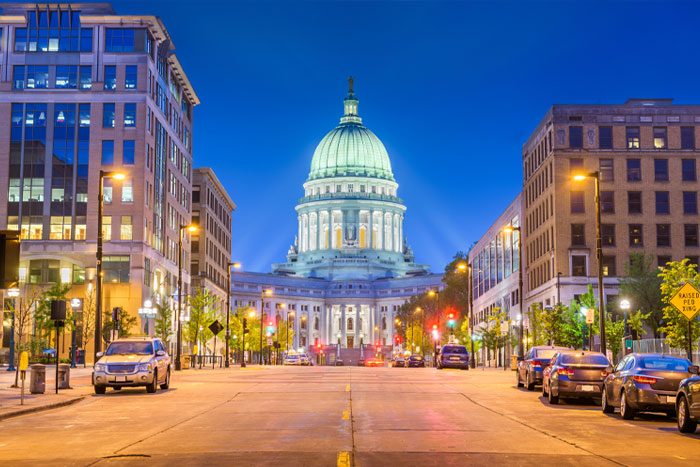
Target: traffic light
(435, 332)
(271, 327)
(245, 326)
(451, 320)
(397, 340)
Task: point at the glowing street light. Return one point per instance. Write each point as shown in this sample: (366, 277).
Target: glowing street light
(189, 228)
(228, 307)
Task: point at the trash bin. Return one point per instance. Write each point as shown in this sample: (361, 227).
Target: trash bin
(513, 362)
(185, 362)
(37, 378)
(63, 376)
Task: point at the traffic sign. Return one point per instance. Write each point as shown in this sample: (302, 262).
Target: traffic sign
(687, 300)
(269, 341)
(215, 327)
(590, 316)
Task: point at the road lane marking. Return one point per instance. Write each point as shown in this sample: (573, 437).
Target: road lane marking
(343, 459)
(346, 415)
(347, 388)
(67, 426)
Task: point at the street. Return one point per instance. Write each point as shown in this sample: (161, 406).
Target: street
(338, 416)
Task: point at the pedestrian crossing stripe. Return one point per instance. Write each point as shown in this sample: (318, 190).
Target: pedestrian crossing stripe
(343, 459)
(346, 415)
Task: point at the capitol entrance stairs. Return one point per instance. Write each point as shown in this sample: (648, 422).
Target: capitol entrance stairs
(350, 356)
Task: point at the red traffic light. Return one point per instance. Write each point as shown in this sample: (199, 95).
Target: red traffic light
(434, 327)
(398, 339)
(452, 315)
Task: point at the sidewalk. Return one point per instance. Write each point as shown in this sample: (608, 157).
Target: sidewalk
(80, 380)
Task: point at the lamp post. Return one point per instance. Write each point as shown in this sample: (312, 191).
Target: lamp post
(191, 228)
(340, 336)
(98, 255)
(228, 308)
(558, 286)
(599, 254)
(262, 319)
(13, 293)
(625, 306)
(75, 304)
(467, 267)
(512, 229)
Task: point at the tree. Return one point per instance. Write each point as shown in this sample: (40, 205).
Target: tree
(535, 325)
(42, 312)
(23, 308)
(491, 335)
(614, 332)
(641, 283)
(163, 321)
(456, 293)
(552, 320)
(636, 323)
(87, 327)
(572, 326)
(123, 324)
(203, 312)
(673, 276)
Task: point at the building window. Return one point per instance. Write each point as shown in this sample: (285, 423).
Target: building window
(129, 115)
(128, 190)
(663, 235)
(609, 267)
(577, 204)
(106, 228)
(575, 137)
(660, 137)
(110, 77)
(67, 77)
(127, 40)
(53, 31)
(661, 170)
(636, 235)
(108, 115)
(578, 235)
(37, 77)
(693, 261)
(116, 269)
(18, 81)
(131, 77)
(107, 152)
(634, 170)
(607, 234)
(86, 77)
(688, 169)
(607, 202)
(662, 203)
(634, 202)
(578, 265)
(129, 152)
(126, 228)
(690, 202)
(691, 234)
(605, 137)
(663, 260)
(606, 170)
(575, 166)
(632, 137)
(687, 137)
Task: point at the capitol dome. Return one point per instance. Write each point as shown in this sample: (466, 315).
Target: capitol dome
(350, 149)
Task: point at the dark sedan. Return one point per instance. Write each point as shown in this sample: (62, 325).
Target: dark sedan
(453, 356)
(575, 374)
(399, 362)
(644, 383)
(688, 402)
(529, 370)
(415, 361)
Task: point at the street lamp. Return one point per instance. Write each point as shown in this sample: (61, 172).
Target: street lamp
(228, 307)
(98, 255)
(625, 306)
(599, 254)
(510, 229)
(262, 319)
(13, 293)
(467, 267)
(190, 228)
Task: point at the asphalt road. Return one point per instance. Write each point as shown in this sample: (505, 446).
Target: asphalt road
(339, 416)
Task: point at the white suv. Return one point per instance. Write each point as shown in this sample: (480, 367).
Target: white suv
(129, 362)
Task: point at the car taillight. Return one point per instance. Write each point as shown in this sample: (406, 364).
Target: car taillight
(565, 372)
(535, 363)
(604, 373)
(644, 379)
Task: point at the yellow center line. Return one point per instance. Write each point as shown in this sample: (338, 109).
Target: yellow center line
(343, 459)
(346, 415)
(347, 388)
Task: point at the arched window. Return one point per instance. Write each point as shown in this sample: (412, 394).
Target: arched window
(350, 323)
(384, 323)
(316, 325)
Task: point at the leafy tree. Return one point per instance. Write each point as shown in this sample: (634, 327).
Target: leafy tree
(535, 325)
(42, 312)
(673, 276)
(88, 322)
(614, 332)
(203, 312)
(552, 319)
(491, 335)
(164, 321)
(455, 295)
(123, 325)
(641, 282)
(23, 308)
(572, 326)
(636, 321)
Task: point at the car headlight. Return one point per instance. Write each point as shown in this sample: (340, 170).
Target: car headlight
(100, 367)
(145, 367)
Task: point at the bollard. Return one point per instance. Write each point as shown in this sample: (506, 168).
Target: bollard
(37, 378)
(64, 376)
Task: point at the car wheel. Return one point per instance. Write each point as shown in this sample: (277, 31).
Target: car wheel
(604, 405)
(517, 379)
(117, 388)
(553, 400)
(166, 384)
(100, 389)
(544, 390)
(626, 411)
(530, 386)
(153, 387)
(685, 424)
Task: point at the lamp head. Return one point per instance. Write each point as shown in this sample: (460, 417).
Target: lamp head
(192, 228)
(462, 266)
(580, 177)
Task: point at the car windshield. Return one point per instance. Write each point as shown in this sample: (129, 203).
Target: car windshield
(130, 348)
(665, 363)
(584, 359)
(416, 357)
(545, 353)
(292, 357)
(454, 349)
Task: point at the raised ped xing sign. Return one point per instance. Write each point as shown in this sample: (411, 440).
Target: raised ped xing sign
(687, 300)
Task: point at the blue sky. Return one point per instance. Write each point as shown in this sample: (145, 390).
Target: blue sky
(453, 90)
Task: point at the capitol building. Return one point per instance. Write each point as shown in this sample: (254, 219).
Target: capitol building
(350, 267)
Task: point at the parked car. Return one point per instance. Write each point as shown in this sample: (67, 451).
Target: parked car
(529, 372)
(339, 362)
(374, 362)
(361, 362)
(293, 360)
(305, 360)
(575, 374)
(398, 361)
(645, 383)
(415, 360)
(130, 362)
(688, 401)
(453, 356)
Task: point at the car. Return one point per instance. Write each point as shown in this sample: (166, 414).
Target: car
(132, 362)
(529, 372)
(415, 360)
(453, 356)
(339, 362)
(688, 401)
(293, 360)
(373, 362)
(575, 374)
(361, 362)
(305, 360)
(398, 361)
(645, 383)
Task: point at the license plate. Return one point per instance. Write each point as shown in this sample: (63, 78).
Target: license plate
(670, 399)
(120, 379)
(454, 358)
(588, 388)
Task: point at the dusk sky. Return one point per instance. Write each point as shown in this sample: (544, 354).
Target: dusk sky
(452, 89)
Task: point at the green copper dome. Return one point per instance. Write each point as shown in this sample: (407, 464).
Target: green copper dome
(350, 149)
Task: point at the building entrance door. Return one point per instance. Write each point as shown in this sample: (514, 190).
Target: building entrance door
(351, 342)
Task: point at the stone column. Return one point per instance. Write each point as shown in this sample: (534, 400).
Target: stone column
(358, 329)
(342, 325)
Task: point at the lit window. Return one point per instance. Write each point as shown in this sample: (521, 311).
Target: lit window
(633, 137)
(106, 228)
(128, 191)
(126, 228)
(660, 137)
(129, 115)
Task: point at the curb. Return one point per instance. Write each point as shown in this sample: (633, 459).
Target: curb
(28, 410)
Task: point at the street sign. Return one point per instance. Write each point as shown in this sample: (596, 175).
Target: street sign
(215, 327)
(269, 341)
(504, 327)
(687, 300)
(23, 361)
(590, 316)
